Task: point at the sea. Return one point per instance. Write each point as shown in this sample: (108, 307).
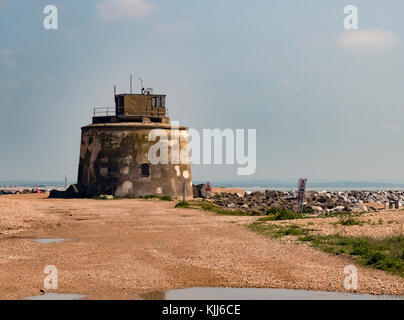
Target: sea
(310, 186)
(246, 185)
(31, 184)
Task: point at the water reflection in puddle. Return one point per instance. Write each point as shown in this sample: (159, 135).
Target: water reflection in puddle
(56, 296)
(258, 294)
(52, 240)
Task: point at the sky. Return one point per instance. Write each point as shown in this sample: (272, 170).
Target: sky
(326, 103)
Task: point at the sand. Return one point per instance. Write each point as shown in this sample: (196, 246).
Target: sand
(119, 249)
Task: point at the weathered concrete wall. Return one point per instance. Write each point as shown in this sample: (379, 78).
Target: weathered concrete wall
(111, 156)
(137, 104)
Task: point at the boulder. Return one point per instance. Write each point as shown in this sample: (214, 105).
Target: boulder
(338, 209)
(271, 194)
(70, 193)
(57, 194)
(317, 208)
(73, 190)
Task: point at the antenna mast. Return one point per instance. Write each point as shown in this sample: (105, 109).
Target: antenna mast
(141, 85)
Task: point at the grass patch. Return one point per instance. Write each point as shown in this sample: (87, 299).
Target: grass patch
(208, 206)
(153, 196)
(275, 214)
(267, 230)
(277, 231)
(385, 254)
(182, 204)
(347, 219)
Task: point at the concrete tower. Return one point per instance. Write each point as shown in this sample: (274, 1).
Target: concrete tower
(114, 153)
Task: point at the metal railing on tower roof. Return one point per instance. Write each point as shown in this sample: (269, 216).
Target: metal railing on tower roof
(147, 112)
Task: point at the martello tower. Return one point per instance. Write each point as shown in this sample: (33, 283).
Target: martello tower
(114, 153)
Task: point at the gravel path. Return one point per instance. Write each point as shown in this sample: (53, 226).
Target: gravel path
(122, 248)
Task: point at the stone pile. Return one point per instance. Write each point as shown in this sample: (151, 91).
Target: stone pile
(21, 191)
(318, 201)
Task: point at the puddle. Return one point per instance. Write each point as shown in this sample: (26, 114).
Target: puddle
(56, 296)
(258, 294)
(51, 240)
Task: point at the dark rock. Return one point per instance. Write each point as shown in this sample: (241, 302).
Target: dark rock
(57, 194)
(70, 193)
(73, 190)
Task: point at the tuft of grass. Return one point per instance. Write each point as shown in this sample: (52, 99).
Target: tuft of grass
(277, 231)
(347, 219)
(306, 238)
(153, 196)
(293, 230)
(182, 204)
(166, 198)
(208, 206)
(308, 210)
(281, 214)
(267, 230)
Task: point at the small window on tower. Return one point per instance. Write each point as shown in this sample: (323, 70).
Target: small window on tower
(145, 170)
(155, 102)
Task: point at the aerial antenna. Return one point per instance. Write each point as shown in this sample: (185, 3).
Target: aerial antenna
(114, 90)
(141, 85)
(130, 84)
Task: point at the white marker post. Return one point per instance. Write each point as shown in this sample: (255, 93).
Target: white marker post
(300, 194)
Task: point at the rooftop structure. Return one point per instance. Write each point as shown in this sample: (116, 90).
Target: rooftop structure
(145, 107)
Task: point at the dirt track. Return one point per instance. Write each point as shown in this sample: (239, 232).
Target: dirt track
(122, 248)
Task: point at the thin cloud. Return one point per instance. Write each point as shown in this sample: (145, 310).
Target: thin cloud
(373, 40)
(124, 9)
(392, 127)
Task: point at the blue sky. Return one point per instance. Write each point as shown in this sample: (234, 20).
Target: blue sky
(327, 103)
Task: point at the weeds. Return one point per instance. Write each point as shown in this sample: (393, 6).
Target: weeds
(277, 231)
(182, 204)
(208, 206)
(386, 254)
(347, 219)
(274, 214)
